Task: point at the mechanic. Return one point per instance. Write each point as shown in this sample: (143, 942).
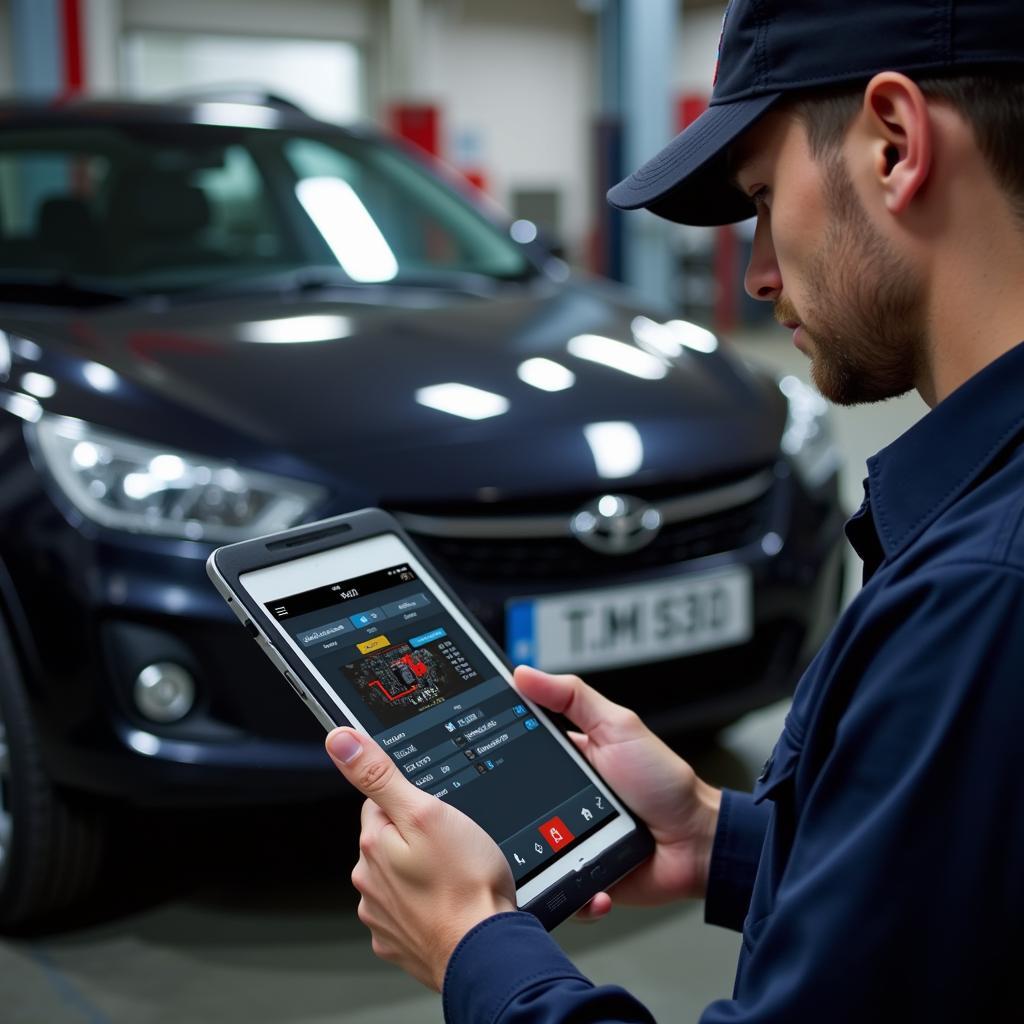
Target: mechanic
(877, 870)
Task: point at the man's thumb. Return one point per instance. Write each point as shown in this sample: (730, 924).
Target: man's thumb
(372, 772)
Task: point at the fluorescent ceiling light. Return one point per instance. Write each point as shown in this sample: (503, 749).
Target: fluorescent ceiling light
(101, 377)
(700, 339)
(656, 338)
(38, 384)
(669, 339)
(462, 400)
(546, 374)
(297, 329)
(24, 348)
(617, 355)
(23, 406)
(349, 230)
(617, 448)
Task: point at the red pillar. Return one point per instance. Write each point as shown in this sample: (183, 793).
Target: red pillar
(71, 18)
(419, 123)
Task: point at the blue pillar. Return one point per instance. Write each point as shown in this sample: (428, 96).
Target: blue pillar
(648, 43)
(37, 38)
(637, 44)
(38, 48)
(608, 137)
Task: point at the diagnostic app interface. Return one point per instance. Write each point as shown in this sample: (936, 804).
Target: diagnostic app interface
(452, 725)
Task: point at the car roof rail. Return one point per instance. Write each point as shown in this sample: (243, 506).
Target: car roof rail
(252, 95)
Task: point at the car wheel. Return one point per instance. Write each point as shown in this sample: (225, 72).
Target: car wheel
(50, 845)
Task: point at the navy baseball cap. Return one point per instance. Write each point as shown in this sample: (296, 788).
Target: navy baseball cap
(771, 48)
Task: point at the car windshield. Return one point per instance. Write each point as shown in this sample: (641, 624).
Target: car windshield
(131, 210)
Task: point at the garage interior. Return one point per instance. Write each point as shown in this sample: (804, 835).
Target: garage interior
(537, 106)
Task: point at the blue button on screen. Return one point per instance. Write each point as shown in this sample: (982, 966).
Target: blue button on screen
(426, 638)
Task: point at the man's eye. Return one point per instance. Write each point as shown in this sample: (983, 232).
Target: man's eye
(760, 197)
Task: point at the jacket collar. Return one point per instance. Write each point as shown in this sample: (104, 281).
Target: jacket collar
(923, 472)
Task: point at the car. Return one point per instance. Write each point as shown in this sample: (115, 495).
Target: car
(219, 319)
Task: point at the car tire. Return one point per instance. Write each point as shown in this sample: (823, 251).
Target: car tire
(51, 845)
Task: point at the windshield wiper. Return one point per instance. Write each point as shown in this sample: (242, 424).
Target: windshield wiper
(306, 280)
(280, 282)
(468, 281)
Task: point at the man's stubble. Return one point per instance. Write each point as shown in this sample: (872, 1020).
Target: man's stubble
(865, 315)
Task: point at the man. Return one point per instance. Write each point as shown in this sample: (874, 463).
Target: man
(877, 871)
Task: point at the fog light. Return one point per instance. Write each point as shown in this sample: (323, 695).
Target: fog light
(164, 692)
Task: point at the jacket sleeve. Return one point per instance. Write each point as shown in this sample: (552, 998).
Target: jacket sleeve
(509, 969)
(739, 837)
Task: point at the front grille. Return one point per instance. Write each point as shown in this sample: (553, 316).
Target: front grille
(524, 560)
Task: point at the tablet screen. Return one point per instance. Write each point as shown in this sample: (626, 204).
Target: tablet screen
(400, 659)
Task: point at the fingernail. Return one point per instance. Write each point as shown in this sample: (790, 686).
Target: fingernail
(344, 747)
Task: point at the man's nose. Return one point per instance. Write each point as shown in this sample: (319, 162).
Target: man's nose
(763, 279)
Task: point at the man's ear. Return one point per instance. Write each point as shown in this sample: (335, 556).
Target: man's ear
(897, 122)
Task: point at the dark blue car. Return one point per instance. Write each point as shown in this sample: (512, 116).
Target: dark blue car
(218, 320)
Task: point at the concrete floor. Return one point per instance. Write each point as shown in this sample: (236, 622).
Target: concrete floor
(251, 917)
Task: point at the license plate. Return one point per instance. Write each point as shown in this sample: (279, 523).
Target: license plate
(620, 626)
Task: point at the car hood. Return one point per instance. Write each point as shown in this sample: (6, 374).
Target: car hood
(338, 384)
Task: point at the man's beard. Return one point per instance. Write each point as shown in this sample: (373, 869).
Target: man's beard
(865, 311)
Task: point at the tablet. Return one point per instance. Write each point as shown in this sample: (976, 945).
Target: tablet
(368, 634)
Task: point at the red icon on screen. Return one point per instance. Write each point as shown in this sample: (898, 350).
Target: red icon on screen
(556, 833)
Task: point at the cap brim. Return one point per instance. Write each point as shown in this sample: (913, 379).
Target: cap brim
(688, 181)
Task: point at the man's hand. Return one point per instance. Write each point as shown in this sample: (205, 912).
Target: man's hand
(426, 873)
(658, 786)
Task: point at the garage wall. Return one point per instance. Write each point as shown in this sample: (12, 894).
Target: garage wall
(331, 19)
(305, 21)
(517, 83)
(697, 50)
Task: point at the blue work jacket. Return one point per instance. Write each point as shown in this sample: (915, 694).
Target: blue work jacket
(877, 869)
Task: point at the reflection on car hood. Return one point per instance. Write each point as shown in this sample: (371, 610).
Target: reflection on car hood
(336, 384)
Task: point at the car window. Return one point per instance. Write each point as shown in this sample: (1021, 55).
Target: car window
(426, 227)
(241, 222)
(152, 213)
(48, 205)
(138, 208)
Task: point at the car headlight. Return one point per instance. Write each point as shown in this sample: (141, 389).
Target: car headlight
(144, 488)
(808, 439)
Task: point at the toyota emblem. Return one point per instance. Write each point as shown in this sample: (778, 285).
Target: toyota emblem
(616, 524)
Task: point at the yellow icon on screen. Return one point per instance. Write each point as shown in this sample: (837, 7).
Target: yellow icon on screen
(373, 645)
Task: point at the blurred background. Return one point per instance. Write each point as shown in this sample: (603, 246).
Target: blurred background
(541, 104)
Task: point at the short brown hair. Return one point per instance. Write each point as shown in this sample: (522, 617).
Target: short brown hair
(993, 104)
